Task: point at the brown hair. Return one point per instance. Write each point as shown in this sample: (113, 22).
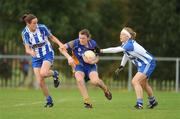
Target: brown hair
(28, 17)
(131, 31)
(85, 32)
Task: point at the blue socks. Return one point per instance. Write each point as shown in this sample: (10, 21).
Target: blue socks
(49, 99)
(152, 102)
(140, 101)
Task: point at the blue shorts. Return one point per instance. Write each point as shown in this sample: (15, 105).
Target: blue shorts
(147, 69)
(37, 62)
(86, 69)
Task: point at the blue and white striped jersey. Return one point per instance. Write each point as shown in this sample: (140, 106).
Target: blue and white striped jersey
(136, 53)
(38, 40)
(133, 51)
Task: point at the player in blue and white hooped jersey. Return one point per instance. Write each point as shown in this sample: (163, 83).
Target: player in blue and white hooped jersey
(35, 37)
(142, 59)
(85, 70)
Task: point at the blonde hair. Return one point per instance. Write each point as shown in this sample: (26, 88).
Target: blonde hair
(131, 31)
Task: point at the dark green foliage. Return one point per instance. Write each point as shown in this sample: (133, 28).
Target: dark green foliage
(158, 26)
(155, 21)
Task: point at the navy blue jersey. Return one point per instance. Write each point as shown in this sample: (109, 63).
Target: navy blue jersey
(78, 49)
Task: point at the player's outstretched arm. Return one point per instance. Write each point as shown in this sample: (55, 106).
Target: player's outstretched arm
(56, 40)
(112, 50)
(66, 54)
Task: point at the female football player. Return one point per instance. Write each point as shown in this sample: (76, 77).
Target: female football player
(84, 69)
(35, 37)
(142, 59)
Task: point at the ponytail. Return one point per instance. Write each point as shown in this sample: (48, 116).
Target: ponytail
(27, 17)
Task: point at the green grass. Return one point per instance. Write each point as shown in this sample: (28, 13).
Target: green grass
(28, 104)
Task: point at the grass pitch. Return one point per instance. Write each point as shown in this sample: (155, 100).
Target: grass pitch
(28, 104)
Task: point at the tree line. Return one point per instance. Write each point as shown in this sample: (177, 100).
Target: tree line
(155, 21)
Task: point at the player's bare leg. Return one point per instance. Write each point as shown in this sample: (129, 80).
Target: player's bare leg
(46, 72)
(149, 91)
(43, 87)
(95, 80)
(82, 88)
(136, 82)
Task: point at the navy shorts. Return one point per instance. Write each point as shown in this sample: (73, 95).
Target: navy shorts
(147, 69)
(37, 62)
(86, 69)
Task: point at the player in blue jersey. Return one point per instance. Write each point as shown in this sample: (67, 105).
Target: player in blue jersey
(35, 37)
(142, 59)
(85, 71)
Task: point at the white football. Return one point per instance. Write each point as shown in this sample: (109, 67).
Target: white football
(90, 55)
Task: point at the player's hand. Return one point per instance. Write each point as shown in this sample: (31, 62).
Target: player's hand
(33, 53)
(91, 62)
(119, 69)
(96, 50)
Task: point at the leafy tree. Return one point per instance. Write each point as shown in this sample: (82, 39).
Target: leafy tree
(157, 26)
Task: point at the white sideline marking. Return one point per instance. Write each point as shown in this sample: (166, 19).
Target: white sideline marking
(37, 102)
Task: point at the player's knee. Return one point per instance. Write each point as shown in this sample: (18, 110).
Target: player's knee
(43, 73)
(95, 82)
(134, 82)
(80, 81)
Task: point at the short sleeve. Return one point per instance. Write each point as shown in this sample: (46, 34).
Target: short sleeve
(45, 29)
(70, 44)
(25, 37)
(93, 44)
(128, 46)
